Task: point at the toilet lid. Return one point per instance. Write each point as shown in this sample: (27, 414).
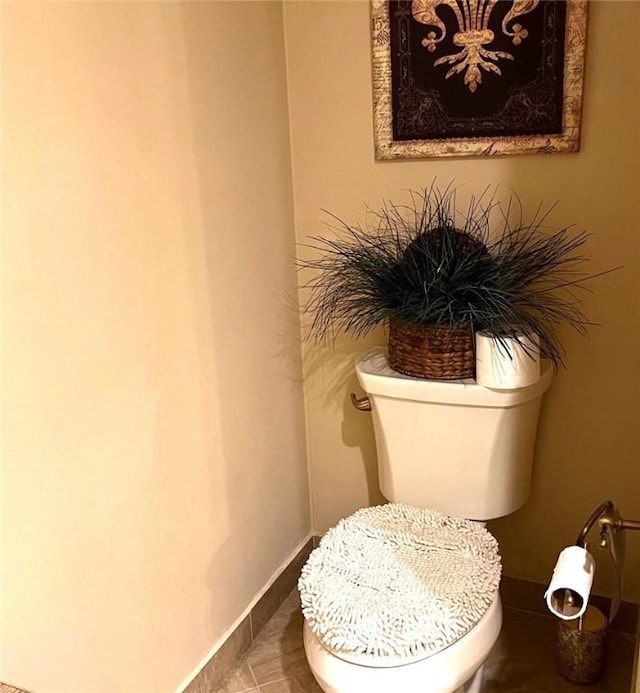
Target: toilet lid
(396, 581)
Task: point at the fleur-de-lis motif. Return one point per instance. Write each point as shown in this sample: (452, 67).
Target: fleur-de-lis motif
(472, 36)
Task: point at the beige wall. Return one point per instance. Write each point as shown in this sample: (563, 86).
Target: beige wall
(154, 461)
(588, 445)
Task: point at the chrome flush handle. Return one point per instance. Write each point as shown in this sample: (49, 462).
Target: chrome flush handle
(361, 404)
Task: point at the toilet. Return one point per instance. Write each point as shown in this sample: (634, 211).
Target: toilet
(404, 596)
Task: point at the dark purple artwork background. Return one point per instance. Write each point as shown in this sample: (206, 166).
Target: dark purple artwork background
(525, 100)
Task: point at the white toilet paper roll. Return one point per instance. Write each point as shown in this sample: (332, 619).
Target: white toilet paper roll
(507, 363)
(570, 586)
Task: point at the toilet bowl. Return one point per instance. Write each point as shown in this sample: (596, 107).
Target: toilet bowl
(457, 668)
(445, 451)
(399, 598)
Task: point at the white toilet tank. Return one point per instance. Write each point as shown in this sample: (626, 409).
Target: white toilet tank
(452, 446)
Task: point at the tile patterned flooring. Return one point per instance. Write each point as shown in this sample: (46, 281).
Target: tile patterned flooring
(520, 662)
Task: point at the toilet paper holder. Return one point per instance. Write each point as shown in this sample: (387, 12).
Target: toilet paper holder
(568, 593)
(609, 521)
(582, 633)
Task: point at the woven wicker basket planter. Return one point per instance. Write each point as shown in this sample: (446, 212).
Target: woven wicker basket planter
(434, 352)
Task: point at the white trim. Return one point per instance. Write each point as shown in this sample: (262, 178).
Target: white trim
(227, 634)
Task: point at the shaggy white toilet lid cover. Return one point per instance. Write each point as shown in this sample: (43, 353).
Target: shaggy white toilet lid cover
(401, 581)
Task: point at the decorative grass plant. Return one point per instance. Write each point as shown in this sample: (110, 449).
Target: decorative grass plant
(426, 266)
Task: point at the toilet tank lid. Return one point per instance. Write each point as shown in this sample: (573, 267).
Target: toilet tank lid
(378, 378)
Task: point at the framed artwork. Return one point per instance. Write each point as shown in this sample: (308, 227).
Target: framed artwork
(477, 77)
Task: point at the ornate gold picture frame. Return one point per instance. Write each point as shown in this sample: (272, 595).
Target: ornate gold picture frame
(477, 77)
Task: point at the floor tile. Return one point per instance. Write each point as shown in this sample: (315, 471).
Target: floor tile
(522, 660)
(291, 664)
(241, 680)
(278, 653)
(305, 683)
